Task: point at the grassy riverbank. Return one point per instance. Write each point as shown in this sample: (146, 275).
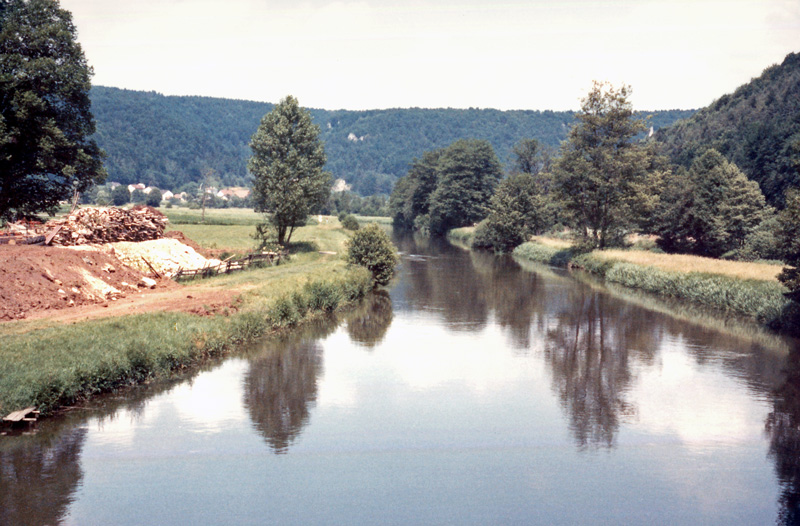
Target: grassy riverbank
(50, 365)
(748, 289)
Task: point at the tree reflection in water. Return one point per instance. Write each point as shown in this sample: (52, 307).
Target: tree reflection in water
(588, 351)
(281, 384)
(39, 478)
(783, 428)
(369, 323)
(466, 288)
(279, 387)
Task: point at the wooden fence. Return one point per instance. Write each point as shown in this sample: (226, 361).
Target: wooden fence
(230, 265)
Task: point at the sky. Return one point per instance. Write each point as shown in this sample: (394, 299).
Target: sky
(376, 54)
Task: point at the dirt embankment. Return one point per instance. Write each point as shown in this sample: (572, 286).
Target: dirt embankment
(111, 262)
(38, 278)
(92, 281)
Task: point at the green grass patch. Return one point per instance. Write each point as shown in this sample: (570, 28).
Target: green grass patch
(549, 255)
(380, 220)
(213, 216)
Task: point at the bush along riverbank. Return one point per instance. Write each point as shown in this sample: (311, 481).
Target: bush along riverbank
(58, 366)
(759, 299)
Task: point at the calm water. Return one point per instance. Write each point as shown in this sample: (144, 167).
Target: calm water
(474, 392)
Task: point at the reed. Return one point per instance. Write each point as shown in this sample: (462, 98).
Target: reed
(685, 263)
(737, 289)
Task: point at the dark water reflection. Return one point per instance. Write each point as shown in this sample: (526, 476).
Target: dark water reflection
(478, 390)
(38, 479)
(278, 390)
(783, 427)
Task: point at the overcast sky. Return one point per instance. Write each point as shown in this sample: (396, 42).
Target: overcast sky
(459, 54)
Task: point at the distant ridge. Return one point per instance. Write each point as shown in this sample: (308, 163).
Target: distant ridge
(757, 127)
(167, 141)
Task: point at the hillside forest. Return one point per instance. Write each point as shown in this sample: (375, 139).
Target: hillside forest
(169, 142)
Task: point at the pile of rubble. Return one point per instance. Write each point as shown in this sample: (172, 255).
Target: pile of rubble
(165, 256)
(108, 225)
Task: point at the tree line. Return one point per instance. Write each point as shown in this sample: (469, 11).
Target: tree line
(604, 183)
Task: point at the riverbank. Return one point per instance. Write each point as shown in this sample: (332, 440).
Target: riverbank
(50, 364)
(745, 289)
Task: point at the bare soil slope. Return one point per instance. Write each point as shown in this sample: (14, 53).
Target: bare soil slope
(71, 284)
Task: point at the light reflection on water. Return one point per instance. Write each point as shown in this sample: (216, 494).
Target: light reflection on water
(474, 392)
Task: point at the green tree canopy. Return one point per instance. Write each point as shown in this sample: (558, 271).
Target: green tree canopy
(287, 167)
(711, 209)
(45, 121)
(517, 210)
(789, 238)
(153, 198)
(120, 195)
(531, 157)
(446, 188)
(468, 174)
(411, 196)
(603, 170)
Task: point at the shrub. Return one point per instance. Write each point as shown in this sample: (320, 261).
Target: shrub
(371, 247)
(153, 198)
(283, 313)
(789, 238)
(323, 296)
(349, 222)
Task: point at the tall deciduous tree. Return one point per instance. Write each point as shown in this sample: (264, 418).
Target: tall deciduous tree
(468, 174)
(411, 195)
(46, 152)
(287, 167)
(710, 210)
(531, 157)
(603, 170)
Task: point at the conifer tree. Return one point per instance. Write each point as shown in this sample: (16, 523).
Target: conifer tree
(710, 210)
(789, 236)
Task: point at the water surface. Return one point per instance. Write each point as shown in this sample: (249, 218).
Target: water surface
(473, 392)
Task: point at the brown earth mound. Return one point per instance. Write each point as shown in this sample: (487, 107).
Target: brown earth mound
(38, 278)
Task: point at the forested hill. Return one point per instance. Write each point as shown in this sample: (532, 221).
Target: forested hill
(169, 141)
(757, 127)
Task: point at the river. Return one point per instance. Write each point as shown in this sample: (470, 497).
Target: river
(474, 391)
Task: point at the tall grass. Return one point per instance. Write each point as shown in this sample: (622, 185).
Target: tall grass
(687, 263)
(213, 216)
(761, 299)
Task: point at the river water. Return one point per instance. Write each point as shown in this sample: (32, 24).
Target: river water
(475, 391)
